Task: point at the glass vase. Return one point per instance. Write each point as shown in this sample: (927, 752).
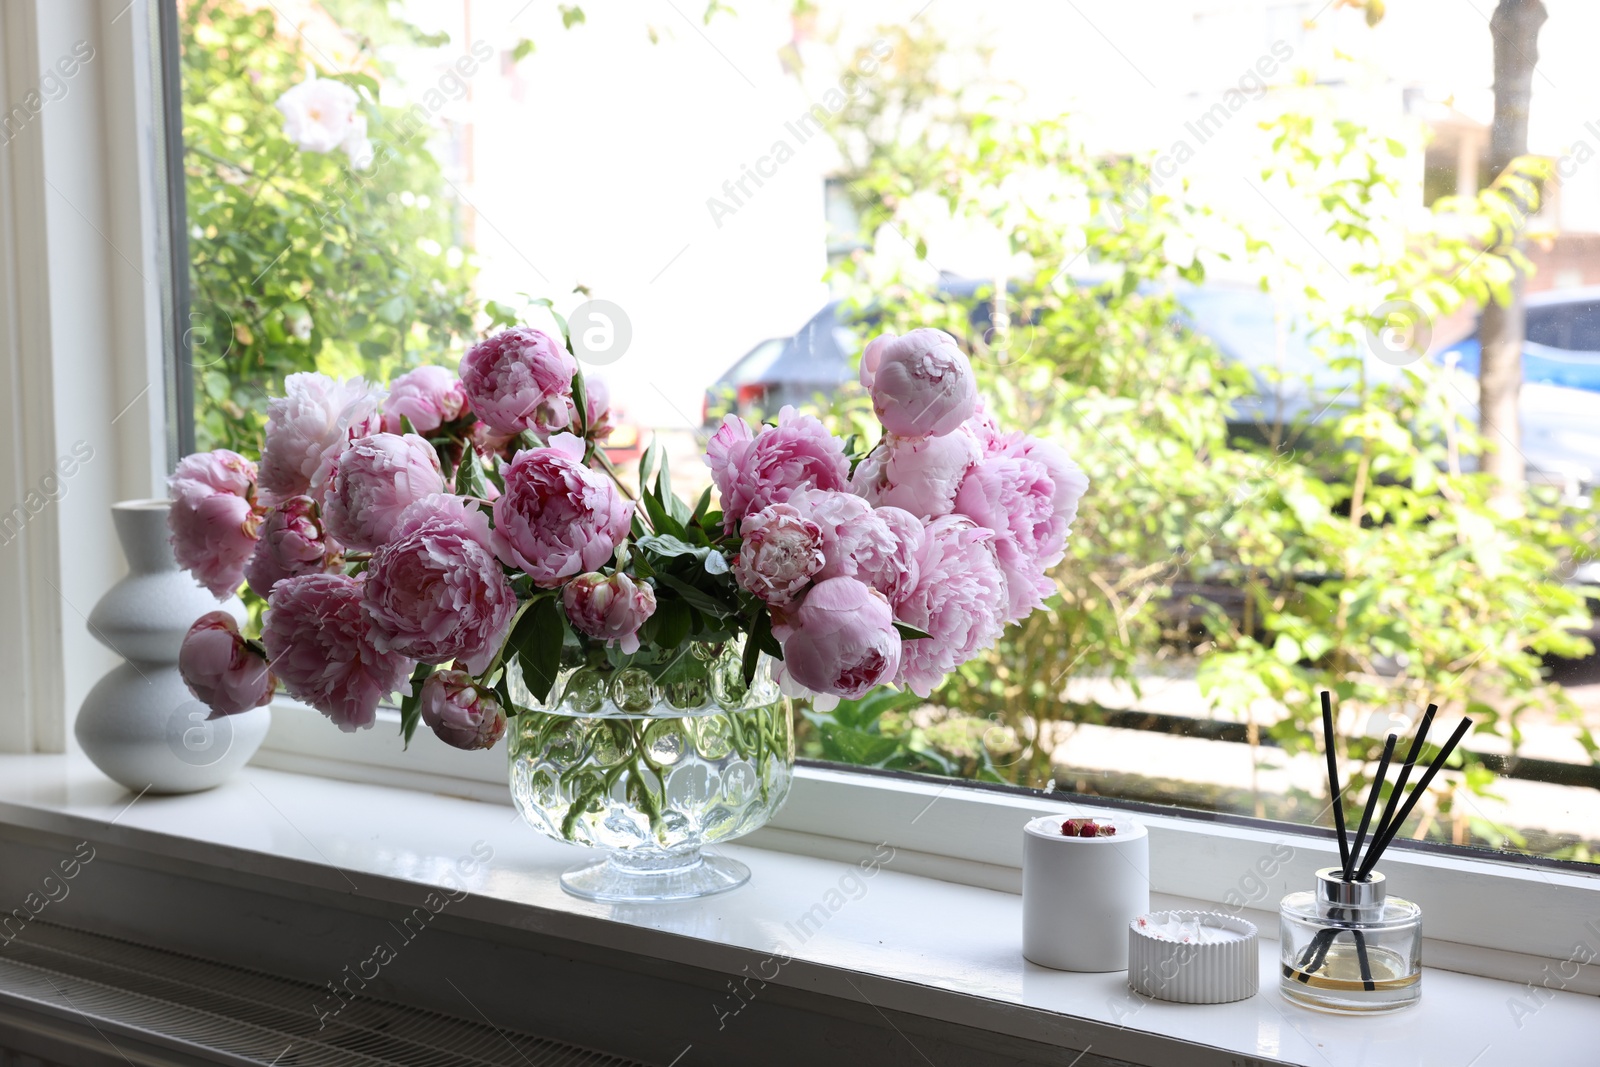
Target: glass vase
(653, 767)
(1349, 947)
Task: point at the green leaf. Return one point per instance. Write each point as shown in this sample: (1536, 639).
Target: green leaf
(571, 15)
(392, 310)
(537, 640)
(411, 703)
(580, 401)
(673, 621)
(696, 598)
(760, 631)
(667, 545)
(469, 481)
(663, 522)
(523, 50)
(647, 463)
(910, 633)
(698, 517)
(859, 747)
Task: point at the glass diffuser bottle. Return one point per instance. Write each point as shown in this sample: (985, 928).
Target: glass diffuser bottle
(1349, 947)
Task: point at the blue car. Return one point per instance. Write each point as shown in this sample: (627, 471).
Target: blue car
(1563, 342)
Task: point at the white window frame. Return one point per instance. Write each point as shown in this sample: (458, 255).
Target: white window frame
(84, 351)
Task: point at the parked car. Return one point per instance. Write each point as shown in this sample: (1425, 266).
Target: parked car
(1563, 340)
(817, 361)
(1561, 435)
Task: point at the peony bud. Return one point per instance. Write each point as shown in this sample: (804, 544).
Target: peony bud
(460, 713)
(922, 384)
(842, 640)
(609, 609)
(224, 671)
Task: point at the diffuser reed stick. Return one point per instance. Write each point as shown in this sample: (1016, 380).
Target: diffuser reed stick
(1377, 847)
(1387, 819)
(1334, 791)
(1356, 865)
(1372, 803)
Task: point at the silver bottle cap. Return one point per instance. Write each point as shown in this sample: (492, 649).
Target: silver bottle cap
(1333, 889)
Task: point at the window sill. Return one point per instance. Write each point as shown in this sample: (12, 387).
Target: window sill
(951, 832)
(900, 942)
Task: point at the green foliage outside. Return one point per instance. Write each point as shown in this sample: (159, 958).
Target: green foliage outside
(1364, 554)
(298, 261)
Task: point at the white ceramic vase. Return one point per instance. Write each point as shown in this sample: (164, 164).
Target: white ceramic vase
(140, 724)
(1080, 893)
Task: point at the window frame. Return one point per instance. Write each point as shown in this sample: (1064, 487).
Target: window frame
(81, 240)
(949, 830)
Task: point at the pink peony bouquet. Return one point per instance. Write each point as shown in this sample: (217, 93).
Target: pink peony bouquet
(431, 538)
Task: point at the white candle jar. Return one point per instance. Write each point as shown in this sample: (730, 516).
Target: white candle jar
(1080, 893)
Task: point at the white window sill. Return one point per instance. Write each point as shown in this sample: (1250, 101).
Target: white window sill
(909, 943)
(1495, 918)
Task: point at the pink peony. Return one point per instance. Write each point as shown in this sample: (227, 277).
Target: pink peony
(922, 384)
(920, 475)
(428, 396)
(486, 442)
(958, 600)
(292, 542)
(314, 419)
(780, 554)
(462, 714)
(609, 609)
(213, 521)
(224, 671)
(856, 542)
(558, 518)
(870, 358)
(841, 641)
(435, 591)
(319, 642)
(367, 486)
(1015, 496)
(752, 471)
(896, 577)
(1068, 478)
(520, 379)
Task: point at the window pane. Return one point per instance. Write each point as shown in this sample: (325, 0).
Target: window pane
(1231, 262)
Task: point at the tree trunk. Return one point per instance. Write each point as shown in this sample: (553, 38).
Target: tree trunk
(1515, 27)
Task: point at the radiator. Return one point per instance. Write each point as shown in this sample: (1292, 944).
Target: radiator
(180, 1010)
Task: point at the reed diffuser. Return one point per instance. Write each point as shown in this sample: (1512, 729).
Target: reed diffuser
(1347, 946)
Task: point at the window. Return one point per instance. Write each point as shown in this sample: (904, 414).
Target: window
(1570, 324)
(1225, 298)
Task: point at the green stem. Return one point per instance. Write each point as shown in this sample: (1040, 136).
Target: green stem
(616, 476)
(500, 655)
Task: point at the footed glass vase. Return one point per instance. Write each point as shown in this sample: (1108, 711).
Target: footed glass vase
(653, 767)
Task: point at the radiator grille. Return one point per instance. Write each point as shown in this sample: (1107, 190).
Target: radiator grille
(247, 1016)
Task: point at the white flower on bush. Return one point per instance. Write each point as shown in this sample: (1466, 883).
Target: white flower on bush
(320, 115)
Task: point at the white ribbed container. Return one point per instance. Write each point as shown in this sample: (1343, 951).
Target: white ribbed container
(1078, 893)
(1193, 972)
